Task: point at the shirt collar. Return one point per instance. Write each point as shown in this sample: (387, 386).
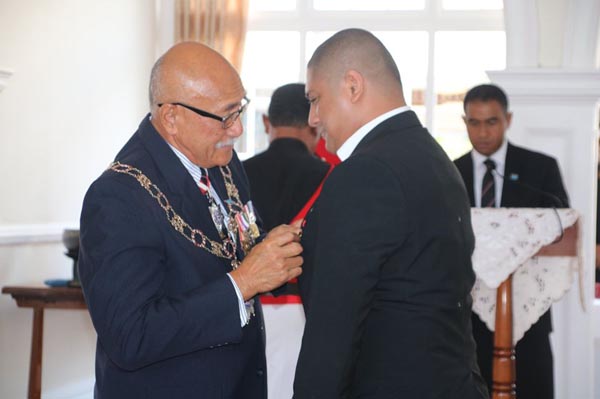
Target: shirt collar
(192, 168)
(499, 157)
(350, 144)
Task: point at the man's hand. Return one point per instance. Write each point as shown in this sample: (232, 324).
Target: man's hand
(271, 263)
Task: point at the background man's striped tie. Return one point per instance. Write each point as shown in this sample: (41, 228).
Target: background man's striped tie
(488, 188)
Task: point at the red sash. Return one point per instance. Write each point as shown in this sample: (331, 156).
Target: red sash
(312, 199)
(294, 299)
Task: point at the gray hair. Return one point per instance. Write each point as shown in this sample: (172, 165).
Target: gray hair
(155, 87)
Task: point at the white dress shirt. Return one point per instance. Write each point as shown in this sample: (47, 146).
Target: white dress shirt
(479, 169)
(196, 173)
(350, 144)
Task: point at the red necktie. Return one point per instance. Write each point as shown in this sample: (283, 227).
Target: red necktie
(204, 183)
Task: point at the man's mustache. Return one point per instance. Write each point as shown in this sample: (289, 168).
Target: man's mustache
(226, 143)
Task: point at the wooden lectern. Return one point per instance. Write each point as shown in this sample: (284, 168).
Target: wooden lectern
(503, 368)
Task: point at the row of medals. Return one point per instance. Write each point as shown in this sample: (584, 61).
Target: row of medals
(244, 223)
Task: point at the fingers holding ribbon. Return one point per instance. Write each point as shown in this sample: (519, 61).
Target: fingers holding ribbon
(271, 263)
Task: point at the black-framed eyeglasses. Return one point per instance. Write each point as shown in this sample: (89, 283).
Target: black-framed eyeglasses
(226, 121)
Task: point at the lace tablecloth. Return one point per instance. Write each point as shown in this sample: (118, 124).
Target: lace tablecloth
(506, 240)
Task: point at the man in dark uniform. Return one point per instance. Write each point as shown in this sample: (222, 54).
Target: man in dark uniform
(169, 274)
(539, 185)
(285, 176)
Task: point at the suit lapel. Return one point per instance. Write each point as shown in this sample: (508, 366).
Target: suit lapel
(216, 180)
(179, 187)
(402, 121)
(510, 194)
(466, 171)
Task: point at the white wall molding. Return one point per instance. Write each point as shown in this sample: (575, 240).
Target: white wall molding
(583, 19)
(554, 85)
(522, 35)
(555, 111)
(551, 21)
(542, 33)
(24, 234)
(4, 75)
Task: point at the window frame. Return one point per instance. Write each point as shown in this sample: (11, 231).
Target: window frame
(431, 19)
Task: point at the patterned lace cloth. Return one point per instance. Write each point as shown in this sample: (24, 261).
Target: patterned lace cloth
(506, 240)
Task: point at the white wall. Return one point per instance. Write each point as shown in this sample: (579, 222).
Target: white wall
(553, 82)
(78, 91)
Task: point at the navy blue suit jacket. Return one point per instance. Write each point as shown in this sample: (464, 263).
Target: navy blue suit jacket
(166, 313)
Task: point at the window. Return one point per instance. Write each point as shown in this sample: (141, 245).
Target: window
(273, 5)
(461, 61)
(442, 48)
(371, 5)
(472, 4)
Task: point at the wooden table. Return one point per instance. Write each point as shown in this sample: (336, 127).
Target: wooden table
(40, 298)
(503, 368)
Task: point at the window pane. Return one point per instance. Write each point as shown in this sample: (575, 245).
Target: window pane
(272, 5)
(372, 5)
(260, 69)
(314, 39)
(461, 59)
(261, 74)
(473, 4)
(261, 140)
(409, 50)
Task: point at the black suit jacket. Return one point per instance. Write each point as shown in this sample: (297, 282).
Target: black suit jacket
(282, 179)
(538, 184)
(387, 275)
(532, 180)
(166, 313)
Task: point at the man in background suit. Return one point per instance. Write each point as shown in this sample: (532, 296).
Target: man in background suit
(533, 181)
(167, 267)
(387, 247)
(285, 176)
(282, 180)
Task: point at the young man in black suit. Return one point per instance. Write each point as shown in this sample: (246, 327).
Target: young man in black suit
(285, 176)
(387, 247)
(532, 180)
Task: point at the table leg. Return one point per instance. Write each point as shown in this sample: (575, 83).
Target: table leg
(35, 365)
(503, 368)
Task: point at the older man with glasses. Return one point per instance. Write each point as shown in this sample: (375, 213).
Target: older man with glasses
(172, 255)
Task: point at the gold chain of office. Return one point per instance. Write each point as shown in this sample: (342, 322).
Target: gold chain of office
(226, 249)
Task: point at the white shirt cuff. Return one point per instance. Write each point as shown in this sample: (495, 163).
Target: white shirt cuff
(241, 304)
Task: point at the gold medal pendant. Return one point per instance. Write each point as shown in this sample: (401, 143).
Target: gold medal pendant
(251, 216)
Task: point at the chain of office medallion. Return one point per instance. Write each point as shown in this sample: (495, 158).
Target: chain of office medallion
(224, 250)
(232, 191)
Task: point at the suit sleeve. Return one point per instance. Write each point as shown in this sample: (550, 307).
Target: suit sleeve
(360, 223)
(124, 268)
(553, 184)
